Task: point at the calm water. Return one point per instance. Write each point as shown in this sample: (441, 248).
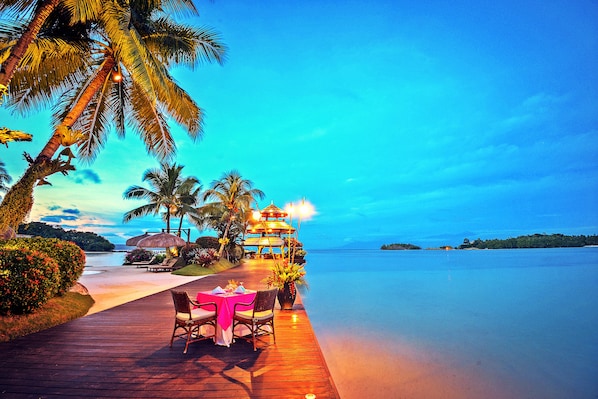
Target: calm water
(530, 316)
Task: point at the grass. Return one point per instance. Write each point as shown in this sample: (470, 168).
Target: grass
(57, 310)
(196, 270)
(73, 305)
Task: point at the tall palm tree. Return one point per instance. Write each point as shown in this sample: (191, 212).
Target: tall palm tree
(189, 198)
(40, 11)
(141, 43)
(4, 177)
(234, 196)
(170, 193)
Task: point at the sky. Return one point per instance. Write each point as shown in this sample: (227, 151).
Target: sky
(399, 121)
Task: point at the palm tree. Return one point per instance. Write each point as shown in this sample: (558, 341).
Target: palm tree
(136, 41)
(40, 11)
(233, 195)
(4, 177)
(189, 198)
(170, 193)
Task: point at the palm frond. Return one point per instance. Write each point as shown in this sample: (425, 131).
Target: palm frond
(83, 11)
(149, 123)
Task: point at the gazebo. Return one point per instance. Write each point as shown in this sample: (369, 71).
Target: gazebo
(268, 231)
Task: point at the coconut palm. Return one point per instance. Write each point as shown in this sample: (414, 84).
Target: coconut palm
(140, 43)
(170, 193)
(232, 196)
(4, 177)
(40, 11)
(188, 200)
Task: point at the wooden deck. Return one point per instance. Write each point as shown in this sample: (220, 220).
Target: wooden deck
(123, 353)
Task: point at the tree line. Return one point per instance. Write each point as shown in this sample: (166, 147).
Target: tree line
(87, 241)
(532, 241)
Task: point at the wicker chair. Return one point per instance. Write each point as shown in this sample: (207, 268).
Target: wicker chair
(191, 320)
(260, 316)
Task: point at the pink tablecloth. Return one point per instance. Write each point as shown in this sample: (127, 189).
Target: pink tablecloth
(226, 304)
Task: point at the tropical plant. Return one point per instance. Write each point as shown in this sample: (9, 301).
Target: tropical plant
(138, 255)
(4, 177)
(70, 258)
(38, 11)
(135, 42)
(28, 279)
(169, 193)
(232, 197)
(284, 272)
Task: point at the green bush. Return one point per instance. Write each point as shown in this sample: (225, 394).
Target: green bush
(187, 252)
(28, 279)
(138, 255)
(208, 242)
(70, 258)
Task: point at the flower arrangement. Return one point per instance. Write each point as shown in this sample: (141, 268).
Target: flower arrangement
(232, 285)
(285, 272)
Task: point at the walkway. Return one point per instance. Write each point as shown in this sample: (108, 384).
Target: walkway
(123, 353)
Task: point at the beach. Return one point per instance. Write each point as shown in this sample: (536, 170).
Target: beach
(114, 285)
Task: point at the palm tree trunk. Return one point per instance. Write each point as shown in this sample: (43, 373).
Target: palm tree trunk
(69, 120)
(12, 210)
(224, 236)
(10, 65)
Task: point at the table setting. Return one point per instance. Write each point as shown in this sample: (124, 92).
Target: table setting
(226, 298)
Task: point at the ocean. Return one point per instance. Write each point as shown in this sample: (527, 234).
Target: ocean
(516, 323)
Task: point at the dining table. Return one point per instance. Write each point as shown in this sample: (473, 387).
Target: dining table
(226, 308)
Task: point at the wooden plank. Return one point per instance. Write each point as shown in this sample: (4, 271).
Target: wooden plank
(124, 352)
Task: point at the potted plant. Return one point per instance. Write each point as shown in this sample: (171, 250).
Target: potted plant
(286, 276)
(299, 256)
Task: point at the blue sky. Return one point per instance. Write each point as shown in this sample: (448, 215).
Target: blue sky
(400, 121)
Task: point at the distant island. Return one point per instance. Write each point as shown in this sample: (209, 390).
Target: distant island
(529, 241)
(87, 241)
(399, 247)
(532, 241)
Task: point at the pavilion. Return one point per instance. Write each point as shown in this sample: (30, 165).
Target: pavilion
(268, 230)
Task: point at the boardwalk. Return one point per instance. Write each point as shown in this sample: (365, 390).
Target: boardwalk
(123, 353)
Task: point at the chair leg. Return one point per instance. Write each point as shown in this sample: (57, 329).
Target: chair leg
(273, 334)
(253, 335)
(173, 331)
(189, 331)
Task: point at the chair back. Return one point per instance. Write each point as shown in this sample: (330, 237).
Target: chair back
(181, 302)
(265, 300)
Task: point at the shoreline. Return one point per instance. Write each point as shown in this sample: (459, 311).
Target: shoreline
(112, 286)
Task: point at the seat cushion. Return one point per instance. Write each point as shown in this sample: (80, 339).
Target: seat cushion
(196, 315)
(248, 314)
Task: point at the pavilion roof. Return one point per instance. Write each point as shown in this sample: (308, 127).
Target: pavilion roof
(273, 211)
(270, 226)
(263, 242)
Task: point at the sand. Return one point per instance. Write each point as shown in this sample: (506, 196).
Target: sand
(111, 286)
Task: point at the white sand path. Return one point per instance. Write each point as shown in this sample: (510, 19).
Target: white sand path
(111, 286)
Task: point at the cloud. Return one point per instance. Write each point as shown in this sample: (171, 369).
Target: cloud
(72, 211)
(57, 219)
(85, 175)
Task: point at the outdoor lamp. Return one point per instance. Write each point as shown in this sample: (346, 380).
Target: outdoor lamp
(117, 76)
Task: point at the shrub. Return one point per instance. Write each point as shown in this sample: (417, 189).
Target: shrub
(188, 252)
(204, 257)
(28, 279)
(70, 258)
(138, 255)
(208, 242)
